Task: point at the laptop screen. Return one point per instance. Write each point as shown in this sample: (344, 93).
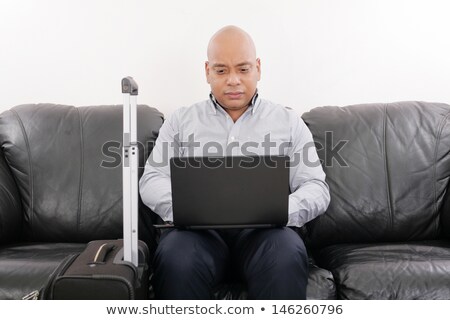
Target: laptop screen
(237, 191)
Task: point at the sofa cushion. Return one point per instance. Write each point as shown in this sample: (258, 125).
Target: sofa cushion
(321, 284)
(416, 270)
(25, 268)
(67, 165)
(387, 165)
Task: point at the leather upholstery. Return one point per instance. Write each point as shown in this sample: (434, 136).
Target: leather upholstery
(412, 270)
(27, 267)
(398, 166)
(321, 285)
(61, 183)
(55, 153)
(10, 206)
(385, 234)
(387, 185)
(445, 217)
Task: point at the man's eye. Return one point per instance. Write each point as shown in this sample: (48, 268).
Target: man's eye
(245, 70)
(220, 71)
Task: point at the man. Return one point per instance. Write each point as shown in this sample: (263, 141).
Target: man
(272, 262)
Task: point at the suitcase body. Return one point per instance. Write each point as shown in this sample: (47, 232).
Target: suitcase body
(100, 273)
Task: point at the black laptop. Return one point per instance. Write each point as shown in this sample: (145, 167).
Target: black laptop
(230, 192)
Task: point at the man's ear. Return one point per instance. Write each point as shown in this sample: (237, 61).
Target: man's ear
(207, 71)
(258, 68)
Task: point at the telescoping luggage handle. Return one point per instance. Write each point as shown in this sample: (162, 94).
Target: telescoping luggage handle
(130, 164)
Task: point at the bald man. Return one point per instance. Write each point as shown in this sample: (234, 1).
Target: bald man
(272, 262)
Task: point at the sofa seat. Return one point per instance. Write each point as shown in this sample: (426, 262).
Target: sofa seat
(321, 284)
(27, 267)
(413, 270)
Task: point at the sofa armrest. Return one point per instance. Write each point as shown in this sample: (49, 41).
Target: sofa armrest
(10, 205)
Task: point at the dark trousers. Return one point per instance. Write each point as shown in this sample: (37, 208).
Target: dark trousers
(190, 264)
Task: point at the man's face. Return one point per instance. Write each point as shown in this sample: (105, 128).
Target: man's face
(233, 73)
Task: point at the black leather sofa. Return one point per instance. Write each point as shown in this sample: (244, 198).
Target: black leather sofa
(61, 187)
(384, 235)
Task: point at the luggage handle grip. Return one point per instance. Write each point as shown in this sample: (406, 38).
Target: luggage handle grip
(130, 86)
(102, 252)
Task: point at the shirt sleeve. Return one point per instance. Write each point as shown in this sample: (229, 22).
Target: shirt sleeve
(154, 185)
(310, 194)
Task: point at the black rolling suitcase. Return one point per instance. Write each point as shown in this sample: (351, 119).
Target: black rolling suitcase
(100, 272)
(113, 269)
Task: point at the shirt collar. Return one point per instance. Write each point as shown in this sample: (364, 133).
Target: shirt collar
(253, 103)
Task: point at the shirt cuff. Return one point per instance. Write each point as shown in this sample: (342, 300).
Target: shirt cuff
(294, 209)
(168, 215)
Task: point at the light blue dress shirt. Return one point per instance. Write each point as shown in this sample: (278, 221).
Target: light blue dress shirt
(264, 128)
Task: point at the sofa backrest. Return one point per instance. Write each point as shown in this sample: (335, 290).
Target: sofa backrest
(387, 166)
(66, 162)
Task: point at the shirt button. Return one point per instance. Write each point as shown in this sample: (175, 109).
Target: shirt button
(232, 138)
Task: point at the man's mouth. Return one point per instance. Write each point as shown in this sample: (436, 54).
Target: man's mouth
(234, 94)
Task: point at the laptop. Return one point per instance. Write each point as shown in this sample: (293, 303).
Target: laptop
(230, 192)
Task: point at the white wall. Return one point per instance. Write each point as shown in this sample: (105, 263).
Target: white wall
(313, 52)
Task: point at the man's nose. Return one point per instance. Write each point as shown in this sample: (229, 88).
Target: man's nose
(233, 79)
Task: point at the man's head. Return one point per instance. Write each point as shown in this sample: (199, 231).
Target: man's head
(232, 69)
